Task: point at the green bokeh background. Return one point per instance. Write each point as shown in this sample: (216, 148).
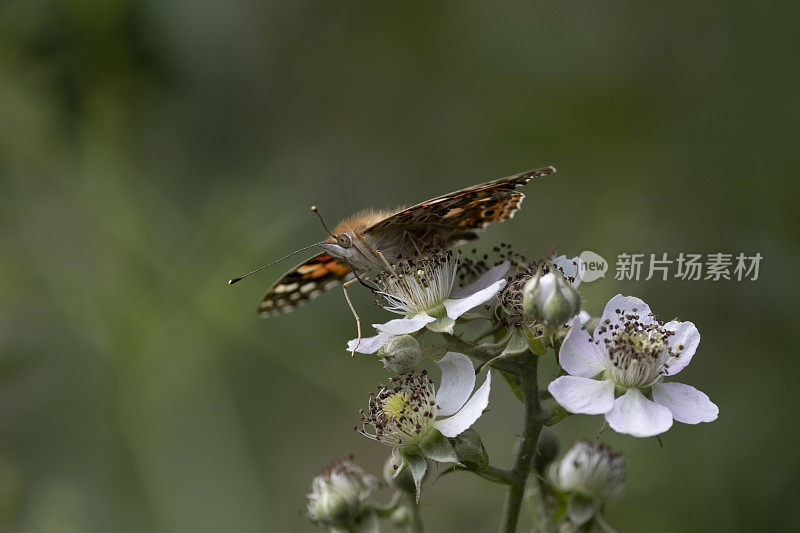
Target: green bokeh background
(151, 150)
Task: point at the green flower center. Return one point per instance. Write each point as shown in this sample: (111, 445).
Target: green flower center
(396, 405)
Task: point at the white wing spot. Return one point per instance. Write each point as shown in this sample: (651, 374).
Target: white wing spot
(281, 289)
(308, 287)
(306, 269)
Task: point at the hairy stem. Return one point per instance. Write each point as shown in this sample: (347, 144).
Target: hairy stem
(532, 427)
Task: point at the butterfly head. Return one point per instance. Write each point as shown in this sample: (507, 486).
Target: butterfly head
(342, 244)
(347, 240)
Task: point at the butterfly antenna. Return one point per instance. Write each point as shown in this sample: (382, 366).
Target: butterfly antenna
(235, 280)
(316, 212)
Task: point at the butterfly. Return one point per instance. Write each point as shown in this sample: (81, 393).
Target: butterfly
(366, 241)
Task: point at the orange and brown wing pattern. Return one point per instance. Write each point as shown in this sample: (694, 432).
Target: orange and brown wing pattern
(459, 215)
(302, 284)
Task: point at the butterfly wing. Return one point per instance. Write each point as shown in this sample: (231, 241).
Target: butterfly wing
(302, 284)
(459, 215)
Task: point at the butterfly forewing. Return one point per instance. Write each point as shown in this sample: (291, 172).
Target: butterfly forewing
(457, 216)
(302, 284)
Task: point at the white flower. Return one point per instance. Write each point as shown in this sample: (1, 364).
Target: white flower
(424, 292)
(629, 355)
(337, 493)
(593, 470)
(404, 413)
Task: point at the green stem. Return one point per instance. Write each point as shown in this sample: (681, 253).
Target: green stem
(493, 474)
(532, 427)
(384, 511)
(416, 525)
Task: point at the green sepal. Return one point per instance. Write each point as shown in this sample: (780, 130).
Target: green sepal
(398, 457)
(442, 325)
(517, 343)
(470, 449)
(418, 465)
(398, 478)
(557, 414)
(435, 446)
(581, 508)
(534, 343)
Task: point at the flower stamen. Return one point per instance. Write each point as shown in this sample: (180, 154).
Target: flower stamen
(403, 413)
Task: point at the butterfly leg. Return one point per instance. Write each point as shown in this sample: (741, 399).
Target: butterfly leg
(353, 310)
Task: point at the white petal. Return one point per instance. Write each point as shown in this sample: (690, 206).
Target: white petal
(579, 355)
(459, 306)
(472, 411)
(369, 344)
(686, 335)
(569, 267)
(489, 277)
(584, 317)
(402, 326)
(687, 404)
(583, 395)
(626, 304)
(633, 414)
(458, 381)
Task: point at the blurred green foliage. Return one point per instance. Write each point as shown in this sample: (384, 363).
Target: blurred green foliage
(151, 150)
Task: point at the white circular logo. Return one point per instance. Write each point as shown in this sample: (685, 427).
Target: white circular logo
(591, 266)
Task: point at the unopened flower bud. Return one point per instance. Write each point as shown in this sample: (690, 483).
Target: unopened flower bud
(469, 448)
(401, 481)
(550, 299)
(590, 469)
(401, 354)
(331, 507)
(338, 492)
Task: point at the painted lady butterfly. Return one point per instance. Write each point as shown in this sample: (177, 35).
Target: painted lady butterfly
(440, 222)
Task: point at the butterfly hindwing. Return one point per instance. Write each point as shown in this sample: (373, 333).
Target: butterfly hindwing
(460, 214)
(302, 284)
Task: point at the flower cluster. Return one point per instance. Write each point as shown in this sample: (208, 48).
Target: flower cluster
(617, 365)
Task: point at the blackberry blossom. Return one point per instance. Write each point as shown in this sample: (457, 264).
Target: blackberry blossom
(618, 371)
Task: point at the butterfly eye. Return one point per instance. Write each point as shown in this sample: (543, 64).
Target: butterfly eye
(344, 240)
